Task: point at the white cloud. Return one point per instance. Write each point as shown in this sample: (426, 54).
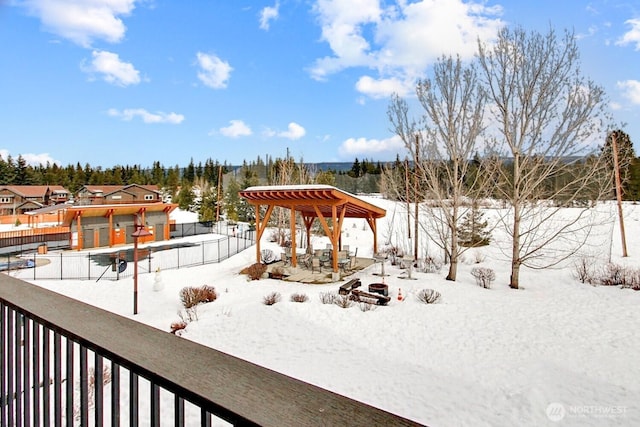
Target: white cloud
(147, 117)
(267, 15)
(293, 132)
(615, 106)
(236, 129)
(632, 36)
(630, 90)
(31, 158)
(113, 70)
(383, 88)
(83, 21)
(370, 147)
(39, 159)
(214, 72)
(402, 40)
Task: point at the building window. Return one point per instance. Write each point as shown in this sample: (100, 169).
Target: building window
(116, 197)
(149, 197)
(6, 199)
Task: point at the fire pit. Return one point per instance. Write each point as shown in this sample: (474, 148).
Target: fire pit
(379, 288)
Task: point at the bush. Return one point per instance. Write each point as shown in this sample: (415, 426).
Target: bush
(432, 265)
(583, 271)
(255, 271)
(268, 256)
(614, 275)
(178, 326)
(484, 276)
(299, 298)
(343, 301)
(272, 298)
(192, 296)
(365, 306)
(328, 297)
(429, 296)
(618, 275)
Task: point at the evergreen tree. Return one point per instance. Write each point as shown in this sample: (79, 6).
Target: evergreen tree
(232, 200)
(472, 230)
(186, 197)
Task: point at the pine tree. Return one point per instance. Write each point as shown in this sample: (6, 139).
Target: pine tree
(472, 230)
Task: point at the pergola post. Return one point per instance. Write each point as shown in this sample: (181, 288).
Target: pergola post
(292, 224)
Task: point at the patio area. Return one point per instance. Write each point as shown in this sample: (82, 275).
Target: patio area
(324, 274)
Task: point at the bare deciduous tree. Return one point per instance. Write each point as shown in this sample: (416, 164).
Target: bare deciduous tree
(548, 119)
(442, 148)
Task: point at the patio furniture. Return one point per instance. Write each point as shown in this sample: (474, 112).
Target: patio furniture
(349, 286)
(325, 259)
(343, 260)
(315, 263)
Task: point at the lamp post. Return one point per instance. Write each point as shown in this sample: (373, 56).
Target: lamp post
(140, 232)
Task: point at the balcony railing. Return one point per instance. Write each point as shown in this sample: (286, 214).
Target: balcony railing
(66, 362)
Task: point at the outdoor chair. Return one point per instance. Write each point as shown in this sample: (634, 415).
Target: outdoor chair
(315, 263)
(353, 260)
(325, 259)
(343, 260)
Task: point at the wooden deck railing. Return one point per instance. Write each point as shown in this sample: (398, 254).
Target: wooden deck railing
(66, 362)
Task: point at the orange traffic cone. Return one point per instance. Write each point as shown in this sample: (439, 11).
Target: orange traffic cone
(400, 298)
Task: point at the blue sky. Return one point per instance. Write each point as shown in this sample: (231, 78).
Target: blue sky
(110, 82)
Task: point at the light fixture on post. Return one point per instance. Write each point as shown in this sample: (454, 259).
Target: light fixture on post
(140, 232)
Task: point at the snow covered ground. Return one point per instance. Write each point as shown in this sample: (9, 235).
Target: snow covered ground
(557, 352)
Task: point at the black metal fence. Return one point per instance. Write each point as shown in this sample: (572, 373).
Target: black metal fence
(63, 362)
(115, 264)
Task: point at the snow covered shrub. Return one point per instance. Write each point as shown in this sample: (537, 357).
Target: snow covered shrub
(614, 275)
(365, 306)
(328, 297)
(178, 326)
(428, 296)
(431, 265)
(618, 275)
(192, 296)
(583, 271)
(271, 298)
(268, 256)
(255, 271)
(479, 257)
(484, 276)
(299, 298)
(343, 301)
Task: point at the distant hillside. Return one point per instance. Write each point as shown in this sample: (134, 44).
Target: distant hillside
(323, 166)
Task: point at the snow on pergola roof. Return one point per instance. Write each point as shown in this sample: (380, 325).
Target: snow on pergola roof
(305, 199)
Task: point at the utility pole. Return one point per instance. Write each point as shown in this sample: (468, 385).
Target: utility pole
(406, 189)
(416, 199)
(616, 171)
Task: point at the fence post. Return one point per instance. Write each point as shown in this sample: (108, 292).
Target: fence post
(60, 265)
(34, 267)
(202, 244)
(89, 266)
(178, 257)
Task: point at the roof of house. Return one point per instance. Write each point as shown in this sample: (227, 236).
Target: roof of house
(105, 210)
(34, 190)
(109, 189)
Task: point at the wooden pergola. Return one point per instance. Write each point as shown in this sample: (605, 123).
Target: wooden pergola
(312, 201)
